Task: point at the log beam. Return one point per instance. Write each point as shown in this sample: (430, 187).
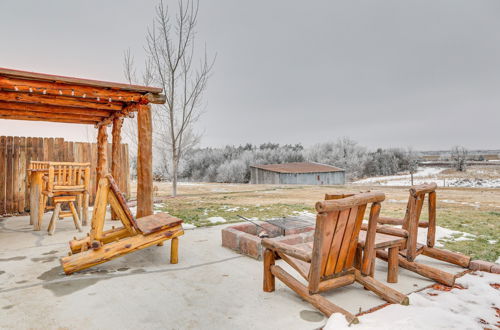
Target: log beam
(144, 162)
(55, 120)
(421, 269)
(59, 100)
(54, 88)
(47, 115)
(54, 109)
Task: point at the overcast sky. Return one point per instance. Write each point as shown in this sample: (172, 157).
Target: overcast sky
(423, 73)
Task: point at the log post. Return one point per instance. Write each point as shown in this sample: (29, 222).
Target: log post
(269, 282)
(431, 231)
(144, 162)
(102, 151)
(115, 155)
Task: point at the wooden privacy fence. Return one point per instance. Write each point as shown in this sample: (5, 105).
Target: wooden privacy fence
(17, 152)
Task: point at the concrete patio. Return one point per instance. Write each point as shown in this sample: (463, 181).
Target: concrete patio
(210, 288)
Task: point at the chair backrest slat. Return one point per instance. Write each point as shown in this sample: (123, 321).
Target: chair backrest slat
(337, 231)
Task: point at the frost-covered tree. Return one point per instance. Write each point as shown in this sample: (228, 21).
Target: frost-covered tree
(459, 157)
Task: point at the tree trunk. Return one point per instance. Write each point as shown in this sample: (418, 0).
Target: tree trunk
(174, 175)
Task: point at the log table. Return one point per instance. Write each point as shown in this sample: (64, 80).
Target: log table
(36, 172)
(51, 179)
(382, 242)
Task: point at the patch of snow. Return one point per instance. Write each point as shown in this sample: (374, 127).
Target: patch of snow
(216, 220)
(187, 226)
(230, 209)
(190, 183)
(397, 201)
(305, 214)
(444, 234)
(388, 180)
(429, 174)
(498, 260)
(432, 309)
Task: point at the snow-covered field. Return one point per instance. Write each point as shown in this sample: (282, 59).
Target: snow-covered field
(475, 304)
(474, 179)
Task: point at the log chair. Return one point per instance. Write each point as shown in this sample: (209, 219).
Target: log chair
(57, 214)
(409, 231)
(328, 262)
(101, 246)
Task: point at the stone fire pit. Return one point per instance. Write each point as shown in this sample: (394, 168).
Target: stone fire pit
(243, 238)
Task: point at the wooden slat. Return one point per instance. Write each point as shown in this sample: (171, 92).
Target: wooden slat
(344, 246)
(3, 163)
(9, 175)
(336, 242)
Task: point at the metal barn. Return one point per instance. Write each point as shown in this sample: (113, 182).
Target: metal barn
(297, 173)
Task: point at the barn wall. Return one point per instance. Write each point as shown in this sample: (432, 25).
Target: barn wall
(260, 176)
(328, 178)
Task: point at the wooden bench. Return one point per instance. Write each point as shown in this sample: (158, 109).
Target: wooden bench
(101, 246)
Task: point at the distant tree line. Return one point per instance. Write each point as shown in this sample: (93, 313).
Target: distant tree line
(231, 164)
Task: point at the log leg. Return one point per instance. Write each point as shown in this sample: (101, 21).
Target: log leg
(372, 267)
(174, 251)
(79, 206)
(41, 209)
(358, 256)
(426, 271)
(393, 263)
(383, 291)
(35, 195)
(76, 219)
(85, 207)
(447, 256)
(321, 303)
(53, 220)
(269, 282)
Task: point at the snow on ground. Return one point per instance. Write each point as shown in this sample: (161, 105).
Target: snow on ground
(187, 226)
(422, 172)
(430, 174)
(216, 220)
(474, 307)
(445, 235)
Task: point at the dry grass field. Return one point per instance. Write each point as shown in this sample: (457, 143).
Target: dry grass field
(474, 211)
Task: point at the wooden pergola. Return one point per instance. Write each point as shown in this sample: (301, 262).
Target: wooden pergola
(50, 98)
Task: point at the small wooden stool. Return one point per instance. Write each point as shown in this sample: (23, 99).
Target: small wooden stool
(58, 200)
(383, 242)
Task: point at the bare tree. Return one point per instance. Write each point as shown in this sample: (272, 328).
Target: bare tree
(170, 48)
(459, 157)
(412, 158)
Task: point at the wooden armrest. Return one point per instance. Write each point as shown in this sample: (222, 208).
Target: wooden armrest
(388, 230)
(287, 249)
